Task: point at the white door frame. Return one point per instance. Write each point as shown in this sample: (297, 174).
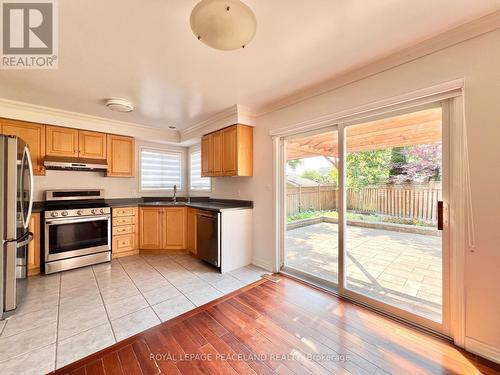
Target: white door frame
(460, 208)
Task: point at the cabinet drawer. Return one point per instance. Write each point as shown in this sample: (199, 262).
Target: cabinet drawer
(125, 229)
(123, 220)
(123, 243)
(124, 211)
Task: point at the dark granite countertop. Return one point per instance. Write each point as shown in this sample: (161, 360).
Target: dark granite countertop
(203, 203)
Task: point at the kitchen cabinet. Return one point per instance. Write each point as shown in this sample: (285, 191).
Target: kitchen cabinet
(150, 228)
(215, 159)
(205, 150)
(92, 145)
(33, 135)
(124, 231)
(228, 152)
(61, 141)
(191, 230)
(162, 228)
(33, 252)
(120, 156)
(174, 228)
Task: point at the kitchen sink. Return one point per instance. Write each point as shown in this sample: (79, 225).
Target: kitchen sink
(165, 203)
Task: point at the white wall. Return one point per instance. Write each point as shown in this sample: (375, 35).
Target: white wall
(478, 62)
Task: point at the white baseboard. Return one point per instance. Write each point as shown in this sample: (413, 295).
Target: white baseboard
(263, 264)
(484, 350)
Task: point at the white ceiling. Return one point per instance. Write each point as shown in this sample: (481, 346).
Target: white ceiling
(145, 51)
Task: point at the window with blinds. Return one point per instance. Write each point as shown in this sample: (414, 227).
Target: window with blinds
(161, 169)
(196, 182)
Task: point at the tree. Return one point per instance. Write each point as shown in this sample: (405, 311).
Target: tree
(295, 163)
(398, 160)
(368, 168)
(314, 175)
(423, 164)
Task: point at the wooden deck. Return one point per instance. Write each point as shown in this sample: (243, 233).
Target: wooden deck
(282, 328)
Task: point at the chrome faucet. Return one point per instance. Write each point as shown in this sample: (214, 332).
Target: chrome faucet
(174, 198)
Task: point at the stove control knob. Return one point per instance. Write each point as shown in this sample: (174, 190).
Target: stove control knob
(101, 210)
(54, 214)
(79, 212)
(93, 211)
(64, 213)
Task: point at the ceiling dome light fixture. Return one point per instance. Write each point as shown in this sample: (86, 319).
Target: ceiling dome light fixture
(119, 105)
(223, 24)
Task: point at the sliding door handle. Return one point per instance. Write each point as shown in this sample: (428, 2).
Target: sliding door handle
(440, 215)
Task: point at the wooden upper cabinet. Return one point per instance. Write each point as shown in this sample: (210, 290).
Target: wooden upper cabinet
(150, 230)
(215, 159)
(121, 156)
(91, 145)
(205, 150)
(33, 135)
(61, 141)
(228, 152)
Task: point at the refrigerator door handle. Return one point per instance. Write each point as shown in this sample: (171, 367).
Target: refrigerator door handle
(24, 239)
(27, 155)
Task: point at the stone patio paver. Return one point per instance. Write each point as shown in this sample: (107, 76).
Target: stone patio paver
(401, 269)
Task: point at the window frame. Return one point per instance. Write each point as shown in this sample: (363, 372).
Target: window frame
(180, 189)
(191, 151)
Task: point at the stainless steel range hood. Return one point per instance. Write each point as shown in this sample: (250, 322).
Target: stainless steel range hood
(75, 164)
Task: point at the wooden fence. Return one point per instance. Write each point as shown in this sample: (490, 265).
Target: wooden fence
(406, 201)
(300, 199)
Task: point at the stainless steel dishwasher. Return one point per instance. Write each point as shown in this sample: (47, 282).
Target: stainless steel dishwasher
(208, 237)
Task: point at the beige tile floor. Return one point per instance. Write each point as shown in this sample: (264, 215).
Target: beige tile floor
(402, 269)
(67, 316)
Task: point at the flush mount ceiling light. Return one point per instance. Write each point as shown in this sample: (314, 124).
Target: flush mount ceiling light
(223, 24)
(119, 105)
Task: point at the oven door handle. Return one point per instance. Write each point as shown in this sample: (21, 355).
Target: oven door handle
(77, 220)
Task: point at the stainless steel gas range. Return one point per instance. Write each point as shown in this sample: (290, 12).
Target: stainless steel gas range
(77, 229)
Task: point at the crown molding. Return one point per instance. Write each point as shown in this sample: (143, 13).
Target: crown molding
(228, 113)
(462, 33)
(16, 110)
(236, 114)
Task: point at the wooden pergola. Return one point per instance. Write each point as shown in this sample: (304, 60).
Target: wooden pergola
(423, 127)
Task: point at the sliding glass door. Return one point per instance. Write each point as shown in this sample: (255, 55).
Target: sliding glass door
(365, 206)
(310, 184)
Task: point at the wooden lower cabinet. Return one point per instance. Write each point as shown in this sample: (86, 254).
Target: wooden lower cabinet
(33, 255)
(150, 228)
(174, 228)
(125, 231)
(163, 228)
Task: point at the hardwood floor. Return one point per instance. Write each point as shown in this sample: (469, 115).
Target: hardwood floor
(281, 328)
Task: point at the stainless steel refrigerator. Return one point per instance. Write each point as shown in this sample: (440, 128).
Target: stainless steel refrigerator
(16, 202)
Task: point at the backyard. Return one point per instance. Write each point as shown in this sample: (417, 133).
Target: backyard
(393, 186)
(403, 269)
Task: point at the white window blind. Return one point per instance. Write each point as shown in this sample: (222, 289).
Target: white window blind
(160, 169)
(196, 181)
